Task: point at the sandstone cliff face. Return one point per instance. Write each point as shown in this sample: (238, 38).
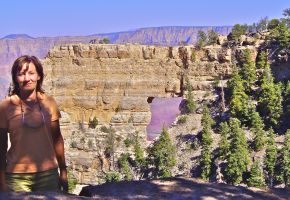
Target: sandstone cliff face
(113, 83)
(13, 46)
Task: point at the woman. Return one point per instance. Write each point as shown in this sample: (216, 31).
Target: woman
(32, 120)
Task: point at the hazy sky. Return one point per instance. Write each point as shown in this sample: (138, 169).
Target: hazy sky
(85, 17)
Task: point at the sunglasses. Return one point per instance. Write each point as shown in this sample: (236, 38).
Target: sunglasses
(32, 119)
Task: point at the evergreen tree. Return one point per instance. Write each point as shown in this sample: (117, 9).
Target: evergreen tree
(248, 70)
(261, 60)
(285, 165)
(190, 103)
(224, 144)
(206, 119)
(271, 157)
(237, 31)
(162, 155)
(212, 37)
(140, 161)
(281, 34)
(125, 167)
(240, 106)
(270, 99)
(238, 157)
(202, 39)
(286, 105)
(258, 130)
(206, 141)
(256, 175)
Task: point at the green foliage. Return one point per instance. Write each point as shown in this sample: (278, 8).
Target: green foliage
(206, 142)
(238, 157)
(224, 145)
(258, 130)
(271, 157)
(262, 60)
(274, 23)
(162, 155)
(105, 41)
(256, 176)
(212, 37)
(72, 182)
(124, 165)
(270, 99)
(237, 31)
(182, 119)
(190, 103)
(93, 123)
(248, 70)
(239, 101)
(281, 34)
(202, 39)
(128, 142)
(285, 165)
(205, 163)
(193, 56)
(140, 163)
(206, 119)
(113, 176)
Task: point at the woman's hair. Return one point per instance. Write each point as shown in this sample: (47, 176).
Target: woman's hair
(17, 66)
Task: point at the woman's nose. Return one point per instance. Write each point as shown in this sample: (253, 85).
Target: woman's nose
(26, 77)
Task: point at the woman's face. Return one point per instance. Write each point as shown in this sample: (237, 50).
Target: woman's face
(27, 77)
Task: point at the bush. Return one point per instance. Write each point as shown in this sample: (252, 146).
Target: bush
(113, 176)
(72, 182)
(93, 123)
(182, 120)
(128, 142)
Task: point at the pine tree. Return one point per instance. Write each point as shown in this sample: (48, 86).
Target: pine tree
(286, 159)
(256, 176)
(162, 155)
(286, 105)
(212, 37)
(270, 99)
(261, 60)
(206, 141)
(124, 165)
(271, 157)
(258, 130)
(238, 157)
(240, 106)
(248, 70)
(224, 144)
(140, 161)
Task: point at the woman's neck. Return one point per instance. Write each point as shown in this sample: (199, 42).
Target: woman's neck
(28, 96)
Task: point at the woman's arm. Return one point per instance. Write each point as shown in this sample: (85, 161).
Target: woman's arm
(59, 151)
(3, 151)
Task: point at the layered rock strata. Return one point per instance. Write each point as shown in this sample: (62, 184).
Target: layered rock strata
(114, 84)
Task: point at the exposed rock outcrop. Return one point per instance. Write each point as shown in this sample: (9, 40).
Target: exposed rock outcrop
(113, 83)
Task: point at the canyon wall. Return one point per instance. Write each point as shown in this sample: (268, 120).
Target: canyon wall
(115, 83)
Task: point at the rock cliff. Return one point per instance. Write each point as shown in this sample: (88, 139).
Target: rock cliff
(114, 84)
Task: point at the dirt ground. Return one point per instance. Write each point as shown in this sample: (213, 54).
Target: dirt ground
(179, 189)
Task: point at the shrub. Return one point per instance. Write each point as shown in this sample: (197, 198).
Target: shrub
(182, 120)
(72, 182)
(113, 176)
(93, 123)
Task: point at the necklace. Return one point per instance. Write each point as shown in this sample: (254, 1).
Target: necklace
(32, 120)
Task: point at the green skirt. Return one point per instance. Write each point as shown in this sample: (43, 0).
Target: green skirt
(31, 182)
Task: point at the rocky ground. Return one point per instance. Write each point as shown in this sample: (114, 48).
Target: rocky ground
(169, 189)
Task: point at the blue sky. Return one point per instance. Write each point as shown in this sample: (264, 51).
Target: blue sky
(84, 17)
